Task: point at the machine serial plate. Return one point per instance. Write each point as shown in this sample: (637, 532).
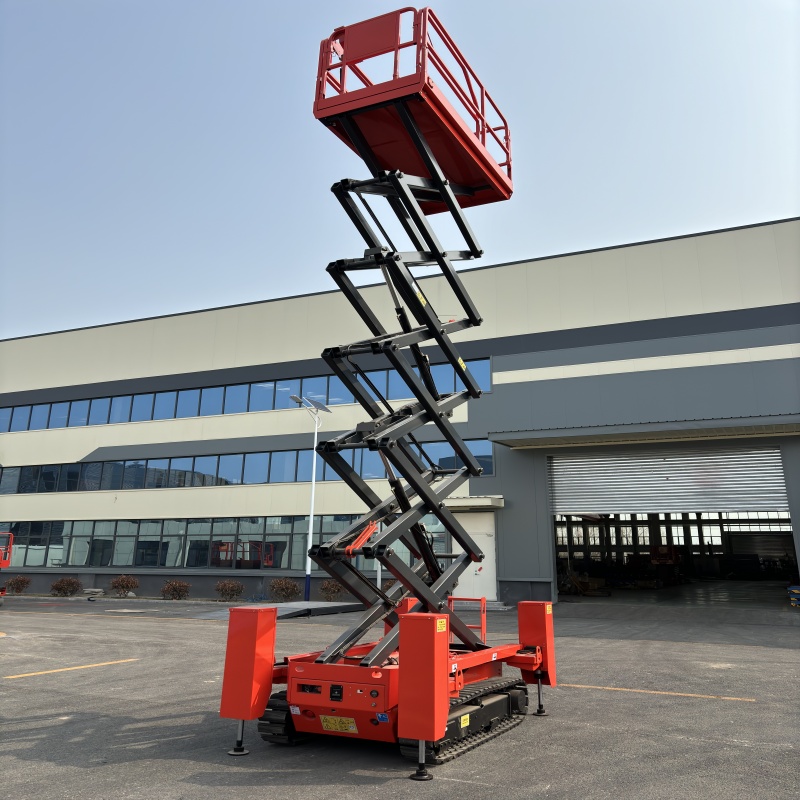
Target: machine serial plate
(339, 724)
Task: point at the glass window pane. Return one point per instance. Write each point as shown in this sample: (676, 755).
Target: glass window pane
(481, 371)
(147, 545)
(379, 379)
(28, 480)
(251, 526)
(398, 389)
(112, 475)
(122, 555)
(9, 480)
(99, 410)
(58, 415)
(284, 390)
(5, 419)
(223, 543)
(78, 413)
(39, 417)
(371, 466)
(262, 396)
(256, 468)
(48, 478)
(230, 470)
(337, 393)
(133, 477)
(304, 463)
(142, 408)
(78, 550)
(278, 525)
(205, 471)
(441, 453)
(69, 478)
(157, 473)
(236, 398)
(91, 477)
(275, 554)
(180, 472)
(198, 534)
(173, 543)
(444, 377)
(19, 418)
(482, 450)
(37, 544)
(55, 550)
(282, 466)
(164, 405)
(315, 388)
(188, 403)
(102, 544)
(211, 401)
(120, 409)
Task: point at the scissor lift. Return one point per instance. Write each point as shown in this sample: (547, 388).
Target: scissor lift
(433, 141)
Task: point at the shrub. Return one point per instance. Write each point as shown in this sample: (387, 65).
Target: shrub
(123, 584)
(284, 589)
(18, 584)
(330, 589)
(229, 589)
(66, 587)
(175, 590)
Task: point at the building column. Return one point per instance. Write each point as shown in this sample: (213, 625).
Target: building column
(790, 455)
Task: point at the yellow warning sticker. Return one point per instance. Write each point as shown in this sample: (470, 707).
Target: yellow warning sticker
(441, 625)
(421, 298)
(548, 609)
(462, 364)
(465, 720)
(338, 724)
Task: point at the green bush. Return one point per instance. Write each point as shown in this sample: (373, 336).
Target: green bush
(123, 584)
(66, 587)
(18, 584)
(175, 590)
(284, 589)
(330, 589)
(229, 589)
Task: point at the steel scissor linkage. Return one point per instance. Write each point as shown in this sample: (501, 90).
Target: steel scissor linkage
(418, 485)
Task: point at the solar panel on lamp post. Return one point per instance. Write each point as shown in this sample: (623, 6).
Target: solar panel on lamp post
(313, 407)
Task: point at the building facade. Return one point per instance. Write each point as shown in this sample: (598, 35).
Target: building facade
(635, 398)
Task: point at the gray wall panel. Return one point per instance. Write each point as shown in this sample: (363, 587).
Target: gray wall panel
(648, 348)
(725, 391)
(525, 533)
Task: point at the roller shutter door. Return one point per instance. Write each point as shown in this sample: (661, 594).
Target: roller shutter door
(638, 482)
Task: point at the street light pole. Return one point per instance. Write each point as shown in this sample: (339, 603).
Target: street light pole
(313, 407)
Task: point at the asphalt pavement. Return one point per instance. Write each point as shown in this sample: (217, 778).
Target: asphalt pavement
(119, 699)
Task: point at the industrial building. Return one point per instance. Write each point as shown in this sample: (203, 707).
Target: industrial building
(639, 425)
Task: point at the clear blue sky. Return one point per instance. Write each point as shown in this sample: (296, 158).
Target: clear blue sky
(159, 156)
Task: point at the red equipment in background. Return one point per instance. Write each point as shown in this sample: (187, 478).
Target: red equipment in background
(6, 545)
(398, 91)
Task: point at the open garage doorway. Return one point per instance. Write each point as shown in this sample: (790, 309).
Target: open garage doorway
(652, 520)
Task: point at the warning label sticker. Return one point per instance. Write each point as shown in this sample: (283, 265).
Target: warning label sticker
(441, 625)
(338, 724)
(465, 720)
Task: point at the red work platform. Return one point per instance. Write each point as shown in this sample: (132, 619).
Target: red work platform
(406, 56)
